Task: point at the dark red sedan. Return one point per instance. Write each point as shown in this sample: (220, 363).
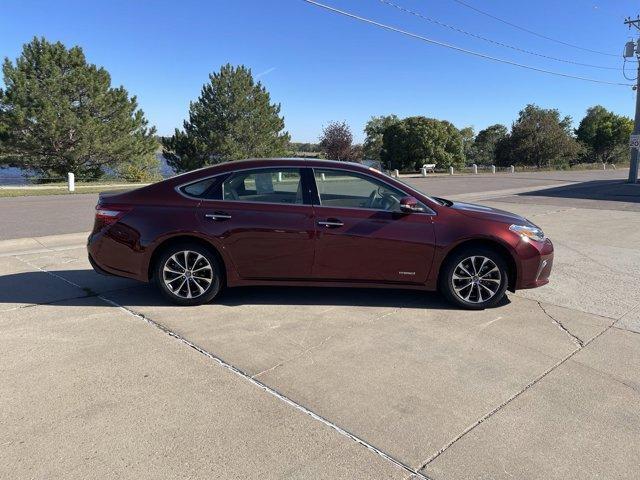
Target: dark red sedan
(312, 222)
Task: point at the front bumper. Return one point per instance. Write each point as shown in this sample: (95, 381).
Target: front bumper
(536, 262)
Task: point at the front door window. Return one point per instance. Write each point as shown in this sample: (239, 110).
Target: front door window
(352, 190)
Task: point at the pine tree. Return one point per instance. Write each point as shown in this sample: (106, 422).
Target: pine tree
(59, 114)
(232, 119)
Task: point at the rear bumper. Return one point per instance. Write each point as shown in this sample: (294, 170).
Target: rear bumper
(96, 267)
(110, 256)
(536, 262)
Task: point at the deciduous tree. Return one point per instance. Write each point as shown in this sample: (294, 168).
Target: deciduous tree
(484, 148)
(468, 139)
(539, 137)
(374, 131)
(336, 141)
(414, 141)
(605, 134)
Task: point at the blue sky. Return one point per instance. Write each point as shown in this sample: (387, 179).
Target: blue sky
(324, 67)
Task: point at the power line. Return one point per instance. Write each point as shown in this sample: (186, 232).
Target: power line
(531, 31)
(495, 42)
(454, 47)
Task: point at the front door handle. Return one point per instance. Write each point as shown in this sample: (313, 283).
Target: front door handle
(331, 223)
(217, 216)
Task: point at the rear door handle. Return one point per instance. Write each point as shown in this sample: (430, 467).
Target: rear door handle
(217, 216)
(331, 223)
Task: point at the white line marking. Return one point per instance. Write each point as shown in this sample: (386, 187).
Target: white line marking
(50, 273)
(485, 325)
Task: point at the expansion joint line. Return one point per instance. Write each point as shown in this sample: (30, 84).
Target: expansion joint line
(280, 396)
(488, 415)
(414, 473)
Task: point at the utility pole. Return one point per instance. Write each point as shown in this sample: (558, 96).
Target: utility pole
(633, 49)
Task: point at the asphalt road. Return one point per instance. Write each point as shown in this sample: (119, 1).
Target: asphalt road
(56, 214)
(37, 216)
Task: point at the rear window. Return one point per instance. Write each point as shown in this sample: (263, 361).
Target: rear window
(198, 189)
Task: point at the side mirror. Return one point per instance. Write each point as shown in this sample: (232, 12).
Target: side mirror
(410, 205)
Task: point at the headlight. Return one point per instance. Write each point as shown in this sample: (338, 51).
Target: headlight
(533, 233)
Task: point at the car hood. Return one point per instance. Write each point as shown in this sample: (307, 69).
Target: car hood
(488, 213)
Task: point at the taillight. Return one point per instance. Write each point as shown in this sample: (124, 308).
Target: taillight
(108, 215)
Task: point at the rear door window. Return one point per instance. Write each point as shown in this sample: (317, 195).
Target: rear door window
(198, 189)
(265, 185)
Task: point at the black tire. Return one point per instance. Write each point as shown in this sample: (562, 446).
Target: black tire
(191, 283)
(481, 283)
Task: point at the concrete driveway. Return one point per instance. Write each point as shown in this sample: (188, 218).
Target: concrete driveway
(102, 379)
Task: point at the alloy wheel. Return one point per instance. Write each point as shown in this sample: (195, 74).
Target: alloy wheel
(187, 274)
(476, 279)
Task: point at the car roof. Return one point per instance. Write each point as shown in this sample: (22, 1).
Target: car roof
(268, 162)
(293, 161)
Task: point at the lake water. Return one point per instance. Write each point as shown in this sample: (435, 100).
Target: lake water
(14, 176)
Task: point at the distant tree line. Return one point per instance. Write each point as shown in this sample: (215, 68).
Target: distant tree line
(539, 137)
(59, 114)
(303, 147)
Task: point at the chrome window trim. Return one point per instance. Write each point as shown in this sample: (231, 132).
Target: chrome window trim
(237, 202)
(177, 188)
(430, 212)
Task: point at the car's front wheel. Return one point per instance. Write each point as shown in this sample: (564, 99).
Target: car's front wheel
(188, 274)
(474, 278)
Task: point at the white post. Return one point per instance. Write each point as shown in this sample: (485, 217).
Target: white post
(513, 169)
(475, 169)
(450, 170)
(322, 175)
(279, 176)
(613, 165)
(423, 170)
(71, 180)
(604, 166)
(396, 173)
(493, 169)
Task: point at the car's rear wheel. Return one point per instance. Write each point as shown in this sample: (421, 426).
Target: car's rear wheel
(475, 278)
(188, 274)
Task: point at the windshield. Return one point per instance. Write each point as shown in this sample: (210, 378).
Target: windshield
(414, 189)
